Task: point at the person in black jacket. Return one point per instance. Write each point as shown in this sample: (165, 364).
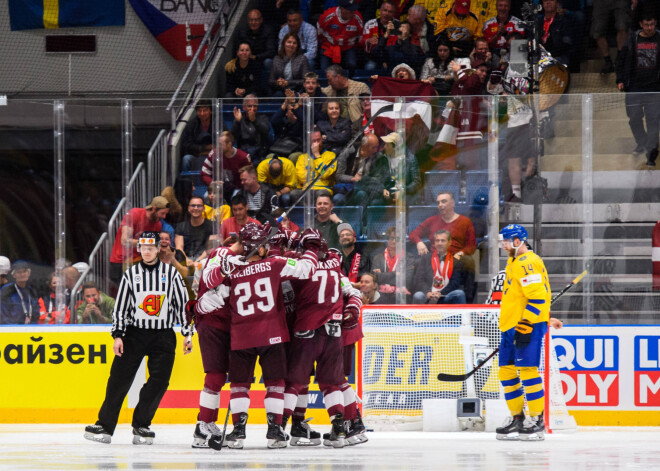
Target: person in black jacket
(439, 275)
(262, 37)
(243, 74)
(260, 197)
(637, 71)
(251, 129)
(196, 138)
(556, 32)
(335, 130)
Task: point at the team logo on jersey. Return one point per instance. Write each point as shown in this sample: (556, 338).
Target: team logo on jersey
(291, 262)
(152, 304)
(163, 278)
(138, 278)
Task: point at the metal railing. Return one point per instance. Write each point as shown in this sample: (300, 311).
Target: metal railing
(157, 165)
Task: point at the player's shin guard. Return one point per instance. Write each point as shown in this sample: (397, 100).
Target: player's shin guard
(239, 400)
(513, 392)
(209, 398)
(301, 404)
(290, 400)
(534, 394)
(274, 401)
(350, 401)
(333, 398)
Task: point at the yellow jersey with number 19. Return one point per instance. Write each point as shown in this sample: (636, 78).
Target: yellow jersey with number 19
(526, 293)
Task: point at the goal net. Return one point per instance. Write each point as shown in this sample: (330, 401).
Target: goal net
(405, 347)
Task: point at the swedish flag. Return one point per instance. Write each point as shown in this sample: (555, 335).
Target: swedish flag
(39, 14)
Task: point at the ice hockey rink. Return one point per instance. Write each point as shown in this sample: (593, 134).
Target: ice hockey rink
(62, 447)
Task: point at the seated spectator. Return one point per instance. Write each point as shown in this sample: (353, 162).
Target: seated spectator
(48, 312)
(481, 54)
(497, 29)
(217, 207)
(372, 174)
(422, 32)
(171, 256)
(287, 123)
(239, 210)
(353, 263)
(124, 249)
(459, 25)
(370, 290)
(305, 32)
(326, 221)
(403, 49)
(261, 37)
(437, 70)
(379, 33)
(439, 276)
(251, 129)
(311, 89)
(388, 263)
(403, 72)
(243, 74)
(261, 199)
(192, 236)
(348, 91)
(96, 307)
(18, 300)
(196, 139)
(335, 130)
(556, 32)
(323, 162)
(340, 30)
(289, 67)
(350, 168)
(280, 176)
(413, 182)
(365, 101)
(233, 160)
(5, 268)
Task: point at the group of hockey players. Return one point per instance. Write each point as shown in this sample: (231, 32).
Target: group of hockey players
(280, 297)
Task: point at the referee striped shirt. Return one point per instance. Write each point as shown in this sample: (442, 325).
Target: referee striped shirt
(150, 297)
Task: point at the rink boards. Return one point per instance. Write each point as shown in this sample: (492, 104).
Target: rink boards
(610, 375)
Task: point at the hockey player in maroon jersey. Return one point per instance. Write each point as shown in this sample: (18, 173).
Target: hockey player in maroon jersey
(317, 339)
(259, 329)
(213, 321)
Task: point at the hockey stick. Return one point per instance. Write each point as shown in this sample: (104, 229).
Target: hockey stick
(449, 378)
(217, 445)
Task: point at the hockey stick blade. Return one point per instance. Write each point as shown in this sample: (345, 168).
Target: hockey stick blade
(459, 378)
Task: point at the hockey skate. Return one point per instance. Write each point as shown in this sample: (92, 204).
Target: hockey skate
(236, 438)
(275, 435)
(204, 432)
(303, 435)
(97, 433)
(143, 436)
(336, 437)
(355, 431)
(533, 429)
(511, 428)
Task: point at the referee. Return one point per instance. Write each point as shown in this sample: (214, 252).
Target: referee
(151, 299)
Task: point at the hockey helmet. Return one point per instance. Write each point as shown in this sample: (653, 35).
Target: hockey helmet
(513, 231)
(252, 235)
(149, 238)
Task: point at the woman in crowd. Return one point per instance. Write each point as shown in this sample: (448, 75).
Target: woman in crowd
(242, 73)
(436, 70)
(289, 66)
(335, 131)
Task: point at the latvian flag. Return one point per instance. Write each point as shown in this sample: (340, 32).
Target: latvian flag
(655, 257)
(385, 91)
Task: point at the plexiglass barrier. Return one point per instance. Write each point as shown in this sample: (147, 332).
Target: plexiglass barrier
(378, 176)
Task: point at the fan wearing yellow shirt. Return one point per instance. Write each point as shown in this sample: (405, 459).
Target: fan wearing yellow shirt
(215, 198)
(524, 315)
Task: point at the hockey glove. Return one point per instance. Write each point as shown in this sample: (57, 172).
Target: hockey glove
(351, 317)
(278, 240)
(190, 311)
(523, 335)
(231, 263)
(311, 239)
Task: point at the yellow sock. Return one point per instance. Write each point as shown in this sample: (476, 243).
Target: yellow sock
(534, 393)
(513, 391)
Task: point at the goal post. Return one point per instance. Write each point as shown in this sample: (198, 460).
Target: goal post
(406, 346)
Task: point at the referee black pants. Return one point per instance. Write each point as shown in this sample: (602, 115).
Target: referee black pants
(159, 346)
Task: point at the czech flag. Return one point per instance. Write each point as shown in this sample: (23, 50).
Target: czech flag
(40, 14)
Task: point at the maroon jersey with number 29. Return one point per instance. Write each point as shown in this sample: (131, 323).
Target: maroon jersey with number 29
(258, 316)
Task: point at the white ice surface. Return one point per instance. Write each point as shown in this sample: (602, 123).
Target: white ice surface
(62, 447)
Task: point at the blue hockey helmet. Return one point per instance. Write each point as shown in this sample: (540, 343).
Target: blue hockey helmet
(513, 231)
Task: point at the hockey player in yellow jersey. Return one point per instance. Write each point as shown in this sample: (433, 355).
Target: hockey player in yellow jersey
(524, 315)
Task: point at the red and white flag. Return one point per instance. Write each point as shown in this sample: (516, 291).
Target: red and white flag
(416, 108)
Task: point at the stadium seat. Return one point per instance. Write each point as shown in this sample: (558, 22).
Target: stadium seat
(200, 188)
(379, 218)
(352, 215)
(477, 185)
(418, 214)
(436, 181)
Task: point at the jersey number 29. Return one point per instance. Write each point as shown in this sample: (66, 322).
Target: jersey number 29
(262, 290)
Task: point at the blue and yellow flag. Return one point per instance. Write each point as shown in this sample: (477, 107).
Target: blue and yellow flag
(39, 14)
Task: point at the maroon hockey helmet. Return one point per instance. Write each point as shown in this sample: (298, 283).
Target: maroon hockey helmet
(253, 235)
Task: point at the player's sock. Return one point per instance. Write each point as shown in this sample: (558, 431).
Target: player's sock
(274, 401)
(239, 400)
(534, 393)
(350, 401)
(333, 398)
(290, 400)
(209, 397)
(513, 391)
(301, 404)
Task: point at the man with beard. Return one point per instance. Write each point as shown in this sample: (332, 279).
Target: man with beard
(354, 263)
